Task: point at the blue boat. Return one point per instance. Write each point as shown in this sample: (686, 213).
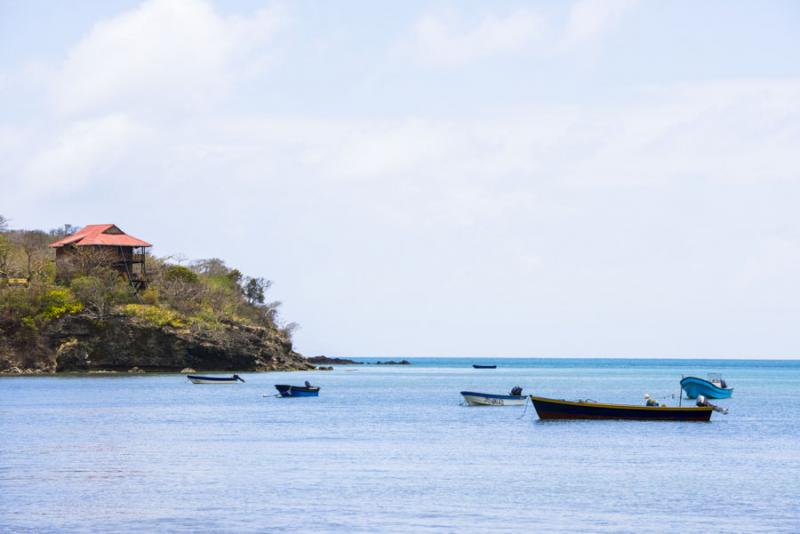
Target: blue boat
(713, 388)
(297, 391)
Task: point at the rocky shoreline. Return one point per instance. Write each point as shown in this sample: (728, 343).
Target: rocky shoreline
(124, 344)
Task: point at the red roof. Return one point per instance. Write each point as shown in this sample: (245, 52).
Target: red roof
(101, 234)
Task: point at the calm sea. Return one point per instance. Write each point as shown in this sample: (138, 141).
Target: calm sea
(390, 449)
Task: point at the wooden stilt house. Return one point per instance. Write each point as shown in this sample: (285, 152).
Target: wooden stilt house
(102, 245)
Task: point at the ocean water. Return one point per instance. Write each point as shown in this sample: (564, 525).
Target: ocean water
(390, 449)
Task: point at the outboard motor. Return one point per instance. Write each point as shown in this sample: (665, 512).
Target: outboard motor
(239, 378)
(702, 401)
(516, 390)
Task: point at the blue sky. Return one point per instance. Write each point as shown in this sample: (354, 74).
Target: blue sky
(597, 177)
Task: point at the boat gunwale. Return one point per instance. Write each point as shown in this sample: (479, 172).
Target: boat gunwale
(493, 395)
(298, 388)
(234, 378)
(623, 406)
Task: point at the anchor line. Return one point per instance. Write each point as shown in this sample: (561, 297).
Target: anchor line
(527, 401)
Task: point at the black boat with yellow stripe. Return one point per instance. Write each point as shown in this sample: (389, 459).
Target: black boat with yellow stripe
(588, 409)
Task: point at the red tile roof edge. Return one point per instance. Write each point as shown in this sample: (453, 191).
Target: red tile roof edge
(93, 234)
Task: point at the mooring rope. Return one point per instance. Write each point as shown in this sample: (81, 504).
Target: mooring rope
(527, 401)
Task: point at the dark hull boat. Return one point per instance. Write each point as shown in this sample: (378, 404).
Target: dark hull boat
(476, 366)
(198, 379)
(562, 409)
(297, 391)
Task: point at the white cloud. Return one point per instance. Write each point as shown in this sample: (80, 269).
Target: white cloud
(83, 153)
(522, 213)
(729, 132)
(444, 38)
(465, 169)
(448, 39)
(588, 19)
(168, 53)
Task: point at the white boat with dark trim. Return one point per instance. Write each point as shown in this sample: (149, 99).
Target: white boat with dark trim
(198, 379)
(474, 398)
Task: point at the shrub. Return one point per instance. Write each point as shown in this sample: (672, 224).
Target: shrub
(175, 273)
(101, 291)
(149, 296)
(154, 315)
(58, 302)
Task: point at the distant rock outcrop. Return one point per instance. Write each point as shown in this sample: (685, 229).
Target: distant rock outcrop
(333, 361)
(392, 362)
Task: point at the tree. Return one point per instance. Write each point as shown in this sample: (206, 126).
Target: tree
(289, 330)
(84, 260)
(180, 287)
(173, 273)
(63, 231)
(210, 267)
(255, 289)
(33, 244)
(5, 251)
(5, 248)
(235, 276)
(101, 290)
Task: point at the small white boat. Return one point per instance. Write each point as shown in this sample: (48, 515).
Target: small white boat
(198, 379)
(474, 398)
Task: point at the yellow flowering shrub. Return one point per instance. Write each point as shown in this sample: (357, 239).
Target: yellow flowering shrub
(154, 315)
(58, 302)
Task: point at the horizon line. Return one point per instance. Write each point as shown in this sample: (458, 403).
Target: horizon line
(770, 358)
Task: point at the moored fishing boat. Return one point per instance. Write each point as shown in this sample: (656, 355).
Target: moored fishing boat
(713, 388)
(476, 366)
(588, 409)
(287, 390)
(474, 398)
(198, 379)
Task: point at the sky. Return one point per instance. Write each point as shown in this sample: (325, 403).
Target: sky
(584, 178)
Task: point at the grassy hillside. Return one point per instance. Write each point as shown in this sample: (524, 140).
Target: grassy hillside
(200, 296)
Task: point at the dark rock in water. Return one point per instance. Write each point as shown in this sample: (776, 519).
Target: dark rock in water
(392, 362)
(333, 361)
(79, 343)
(323, 368)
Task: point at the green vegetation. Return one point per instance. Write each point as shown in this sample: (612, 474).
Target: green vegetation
(154, 314)
(204, 294)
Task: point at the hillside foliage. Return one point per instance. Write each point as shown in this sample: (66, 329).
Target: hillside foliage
(201, 294)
